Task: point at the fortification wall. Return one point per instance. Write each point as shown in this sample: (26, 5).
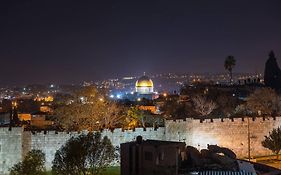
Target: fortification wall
(10, 148)
(232, 134)
(50, 142)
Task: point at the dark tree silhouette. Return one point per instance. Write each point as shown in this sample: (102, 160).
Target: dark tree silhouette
(272, 73)
(33, 164)
(229, 64)
(264, 101)
(273, 141)
(86, 154)
(203, 106)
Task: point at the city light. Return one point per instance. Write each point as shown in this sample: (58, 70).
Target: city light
(74, 88)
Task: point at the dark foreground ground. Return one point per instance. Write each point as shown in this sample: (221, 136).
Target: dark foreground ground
(109, 171)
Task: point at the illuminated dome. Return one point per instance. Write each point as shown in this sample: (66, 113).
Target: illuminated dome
(144, 85)
(144, 81)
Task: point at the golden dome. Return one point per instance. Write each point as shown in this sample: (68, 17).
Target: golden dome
(144, 81)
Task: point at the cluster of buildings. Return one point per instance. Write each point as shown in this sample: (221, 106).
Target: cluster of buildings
(30, 105)
(172, 81)
(126, 86)
(34, 103)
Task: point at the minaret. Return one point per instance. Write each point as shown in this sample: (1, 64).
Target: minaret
(14, 119)
(11, 119)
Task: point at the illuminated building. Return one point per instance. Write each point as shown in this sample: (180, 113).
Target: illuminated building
(24, 116)
(46, 99)
(144, 88)
(144, 85)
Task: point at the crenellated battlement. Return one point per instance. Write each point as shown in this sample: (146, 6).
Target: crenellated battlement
(51, 141)
(231, 133)
(218, 120)
(11, 130)
(116, 130)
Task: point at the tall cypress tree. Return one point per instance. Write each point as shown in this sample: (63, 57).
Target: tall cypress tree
(272, 73)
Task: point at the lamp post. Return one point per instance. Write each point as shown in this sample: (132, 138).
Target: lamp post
(249, 139)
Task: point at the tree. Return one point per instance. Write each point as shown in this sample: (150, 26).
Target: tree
(226, 103)
(89, 110)
(229, 64)
(241, 110)
(86, 154)
(273, 141)
(62, 99)
(136, 117)
(33, 164)
(272, 72)
(111, 116)
(175, 110)
(28, 106)
(264, 101)
(203, 106)
(225, 99)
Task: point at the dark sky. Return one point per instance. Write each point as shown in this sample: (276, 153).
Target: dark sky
(45, 41)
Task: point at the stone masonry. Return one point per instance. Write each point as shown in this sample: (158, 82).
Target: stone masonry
(15, 143)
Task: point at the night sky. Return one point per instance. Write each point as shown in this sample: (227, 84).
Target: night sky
(45, 41)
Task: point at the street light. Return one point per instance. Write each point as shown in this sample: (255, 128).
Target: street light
(249, 139)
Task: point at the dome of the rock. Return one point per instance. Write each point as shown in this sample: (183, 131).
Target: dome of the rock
(144, 85)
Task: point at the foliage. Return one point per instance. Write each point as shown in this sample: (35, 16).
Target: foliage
(112, 171)
(62, 99)
(89, 110)
(172, 108)
(28, 106)
(272, 73)
(86, 154)
(225, 98)
(137, 117)
(264, 101)
(134, 117)
(241, 110)
(111, 115)
(229, 64)
(203, 106)
(33, 164)
(226, 103)
(273, 141)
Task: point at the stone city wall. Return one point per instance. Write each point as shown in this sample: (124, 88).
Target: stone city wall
(232, 134)
(10, 148)
(51, 141)
(15, 143)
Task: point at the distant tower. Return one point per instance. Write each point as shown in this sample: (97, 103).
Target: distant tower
(14, 119)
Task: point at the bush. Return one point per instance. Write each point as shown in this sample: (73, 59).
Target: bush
(86, 154)
(33, 164)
